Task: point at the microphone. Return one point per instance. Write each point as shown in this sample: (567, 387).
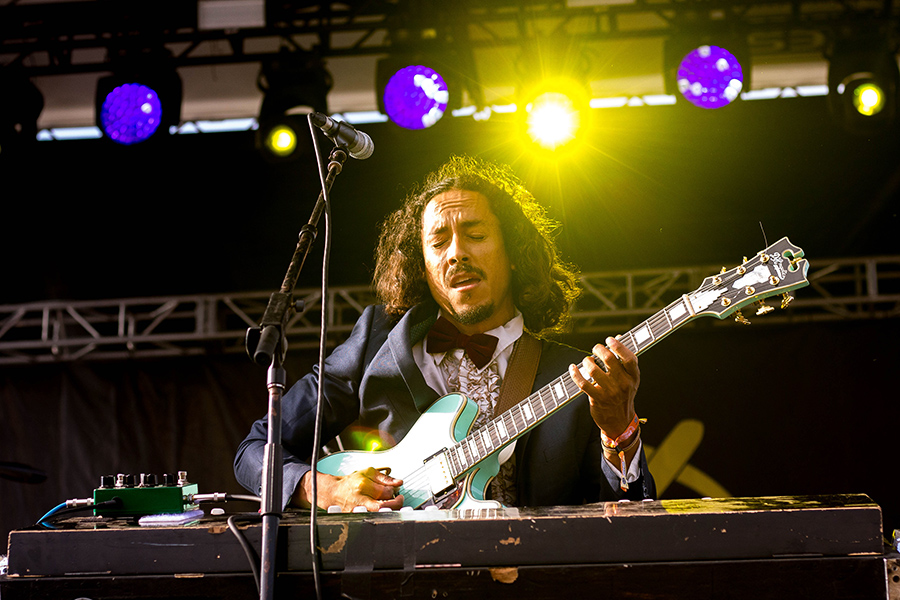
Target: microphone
(358, 143)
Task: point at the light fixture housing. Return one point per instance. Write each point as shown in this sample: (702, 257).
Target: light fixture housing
(140, 101)
(415, 89)
(21, 103)
(554, 112)
(553, 96)
(294, 83)
(863, 83)
(708, 70)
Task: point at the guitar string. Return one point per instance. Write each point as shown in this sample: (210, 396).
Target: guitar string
(661, 321)
(419, 477)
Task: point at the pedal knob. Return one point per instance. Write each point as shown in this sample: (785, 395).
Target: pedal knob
(360, 509)
(148, 480)
(334, 508)
(168, 480)
(385, 509)
(107, 481)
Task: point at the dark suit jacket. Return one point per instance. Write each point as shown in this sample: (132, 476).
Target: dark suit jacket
(373, 378)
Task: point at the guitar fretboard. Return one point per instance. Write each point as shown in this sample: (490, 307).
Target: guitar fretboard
(658, 326)
(525, 415)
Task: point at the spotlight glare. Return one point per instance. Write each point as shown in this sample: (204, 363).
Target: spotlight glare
(416, 97)
(131, 113)
(552, 120)
(281, 140)
(868, 99)
(710, 77)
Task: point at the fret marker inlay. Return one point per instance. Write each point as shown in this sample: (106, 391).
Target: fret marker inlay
(642, 335)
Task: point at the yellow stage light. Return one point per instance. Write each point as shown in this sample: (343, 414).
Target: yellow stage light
(555, 111)
(552, 120)
(863, 84)
(281, 140)
(868, 99)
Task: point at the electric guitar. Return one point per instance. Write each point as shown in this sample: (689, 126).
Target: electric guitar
(441, 461)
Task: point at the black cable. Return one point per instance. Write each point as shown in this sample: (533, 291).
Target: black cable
(323, 332)
(249, 551)
(223, 497)
(245, 497)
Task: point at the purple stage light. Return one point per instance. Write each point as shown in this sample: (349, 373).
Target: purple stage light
(131, 113)
(710, 77)
(416, 97)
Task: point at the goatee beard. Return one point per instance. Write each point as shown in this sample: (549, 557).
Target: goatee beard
(474, 315)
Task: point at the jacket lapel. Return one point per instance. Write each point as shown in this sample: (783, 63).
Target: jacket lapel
(411, 329)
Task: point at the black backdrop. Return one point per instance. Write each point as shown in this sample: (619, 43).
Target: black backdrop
(786, 409)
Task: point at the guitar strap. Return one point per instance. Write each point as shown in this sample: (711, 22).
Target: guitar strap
(520, 373)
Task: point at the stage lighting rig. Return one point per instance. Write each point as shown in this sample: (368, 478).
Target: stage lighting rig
(863, 83)
(295, 83)
(141, 100)
(21, 103)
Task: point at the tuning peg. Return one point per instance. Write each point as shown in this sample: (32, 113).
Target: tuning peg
(762, 308)
(786, 299)
(723, 271)
(740, 318)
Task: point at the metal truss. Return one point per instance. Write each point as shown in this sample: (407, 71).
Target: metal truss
(79, 37)
(614, 302)
(840, 289)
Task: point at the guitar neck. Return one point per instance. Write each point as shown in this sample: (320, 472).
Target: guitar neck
(525, 415)
(658, 326)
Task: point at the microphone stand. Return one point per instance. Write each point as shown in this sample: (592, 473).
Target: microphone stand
(267, 345)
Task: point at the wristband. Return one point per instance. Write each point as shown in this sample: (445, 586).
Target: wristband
(633, 429)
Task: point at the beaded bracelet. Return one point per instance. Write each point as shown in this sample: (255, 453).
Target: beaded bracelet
(633, 429)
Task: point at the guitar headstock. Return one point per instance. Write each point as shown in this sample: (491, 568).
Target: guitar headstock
(778, 269)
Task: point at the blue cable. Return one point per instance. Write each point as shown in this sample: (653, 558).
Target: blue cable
(52, 511)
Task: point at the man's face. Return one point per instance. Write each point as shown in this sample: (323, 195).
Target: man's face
(465, 261)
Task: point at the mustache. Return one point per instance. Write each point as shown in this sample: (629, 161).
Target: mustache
(463, 268)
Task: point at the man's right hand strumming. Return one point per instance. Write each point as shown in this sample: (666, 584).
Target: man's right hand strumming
(370, 487)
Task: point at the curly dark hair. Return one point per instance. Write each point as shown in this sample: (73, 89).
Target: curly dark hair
(543, 286)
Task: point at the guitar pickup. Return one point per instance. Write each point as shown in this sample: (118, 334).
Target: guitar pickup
(440, 478)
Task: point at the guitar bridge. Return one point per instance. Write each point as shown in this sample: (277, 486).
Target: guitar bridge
(440, 479)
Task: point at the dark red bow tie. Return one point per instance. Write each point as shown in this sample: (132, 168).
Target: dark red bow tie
(443, 336)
